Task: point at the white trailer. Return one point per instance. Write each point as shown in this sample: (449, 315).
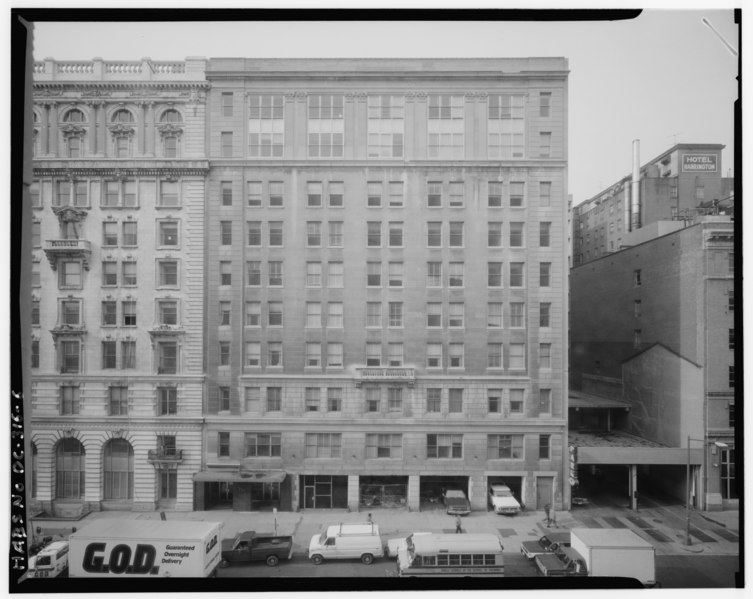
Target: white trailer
(125, 548)
(615, 552)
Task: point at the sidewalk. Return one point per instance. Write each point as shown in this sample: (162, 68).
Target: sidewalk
(665, 527)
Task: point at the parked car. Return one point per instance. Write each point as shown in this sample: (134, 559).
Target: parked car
(456, 503)
(503, 501)
(546, 544)
(248, 547)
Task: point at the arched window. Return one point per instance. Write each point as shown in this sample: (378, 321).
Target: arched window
(122, 116)
(118, 467)
(171, 116)
(70, 469)
(74, 116)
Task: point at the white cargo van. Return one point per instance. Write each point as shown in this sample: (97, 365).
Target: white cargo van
(347, 541)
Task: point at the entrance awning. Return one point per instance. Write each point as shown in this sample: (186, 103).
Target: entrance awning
(259, 476)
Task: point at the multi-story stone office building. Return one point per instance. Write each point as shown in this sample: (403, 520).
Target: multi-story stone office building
(386, 298)
(118, 281)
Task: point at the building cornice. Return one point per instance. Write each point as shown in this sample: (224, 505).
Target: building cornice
(129, 423)
(118, 169)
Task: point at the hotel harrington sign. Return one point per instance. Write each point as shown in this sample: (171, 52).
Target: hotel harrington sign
(695, 163)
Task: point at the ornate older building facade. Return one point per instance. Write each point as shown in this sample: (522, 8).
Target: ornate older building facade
(118, 278)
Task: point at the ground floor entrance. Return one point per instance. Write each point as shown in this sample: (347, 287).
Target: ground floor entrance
(383, 491)
(515, 483)
(433, 488)
(323, 491)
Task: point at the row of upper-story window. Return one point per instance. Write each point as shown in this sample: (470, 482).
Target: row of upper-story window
(119, 401)
(70, 312)
(445, 125)
(453, 233)
(517, 316)
(381, 445)
(77, 128)
(107, 193)
(117, 233)
(72, 272)
(378, 399)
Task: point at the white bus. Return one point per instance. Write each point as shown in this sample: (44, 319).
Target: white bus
(451, 555)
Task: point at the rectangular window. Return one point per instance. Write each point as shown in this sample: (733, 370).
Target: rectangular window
(325, 125)
(167, 401)
(517, 190)
(434, 197)
(395, 354)
(434, 274)
(545, 144)
(129, 313)
(266, 125)
(167, 357)
(323, 445)
(373, 354)
(335, 234)
(226, 144)
(373, 314)
(70, 276)
(637, 308)
(396, 314)
(334, 355)
(517, 315)
(252, 400)
(433, 400)
(544, 314)
(494, 274)
(275, 233)
(118, 401)
(516, 235)
(545, 269)
(544, 441)
(109, 273)
(505, 447)
(394, 399)
(130, 234)
(313, 274)
(223, 445)
(254, 233)
(274, 274)
(385, 126)
(226, 192)
(373, 399)
(227, 104)
(226, 273)
(444, 446)
(457, 194)
(36, 234)
(396, 234)
(374, 234)
(314, 194)
(456, 274)
(494, 401)
(312, 398)
(129, 273)
(396, 194)
(545, 401)
(167, 311)
(168, 273)
(545, 102)
(274, 313)
(516, 274)
(313, 234)
(506, 124)
(731, 377)
(517, 356)
(637, 277)
(334, 315)
(494, 194)
(457, 355)
(731, 339)
(225, 310)
(274, 353)
(253, 314)
(434, 315)
(109, 313)
(434, 234)
(494, 315)
(494, 236)
(456, 234)
(545, 355)
(276, 194)
(374, 194)
(517, 398)
(434, 355)
(253, 354)
(254, 192)
(69, 400)
(384, 446)
(70, 312)
(457, 315)
(109, 355)
(253, 270)
(263, 445)
(110, 233)
(169, 196)
(336, 194)
(455, 401)
(224, 353)
(274, 399)
(545, 193)
(395, 274)
(545, 234)
(494, 355)
(35, 308)
(373, 274)
(335, 275)
(313, 315)
(446, 126)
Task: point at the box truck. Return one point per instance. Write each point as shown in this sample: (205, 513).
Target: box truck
(142, 548)
(615, 552)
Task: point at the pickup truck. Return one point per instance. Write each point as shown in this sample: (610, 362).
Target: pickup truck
(456, 503)
(248, 547)
(546, 544)
(563, 562)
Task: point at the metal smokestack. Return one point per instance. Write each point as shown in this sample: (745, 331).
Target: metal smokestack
(635, 194)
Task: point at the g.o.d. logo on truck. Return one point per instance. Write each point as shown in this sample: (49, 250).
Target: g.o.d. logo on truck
(121, 560)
